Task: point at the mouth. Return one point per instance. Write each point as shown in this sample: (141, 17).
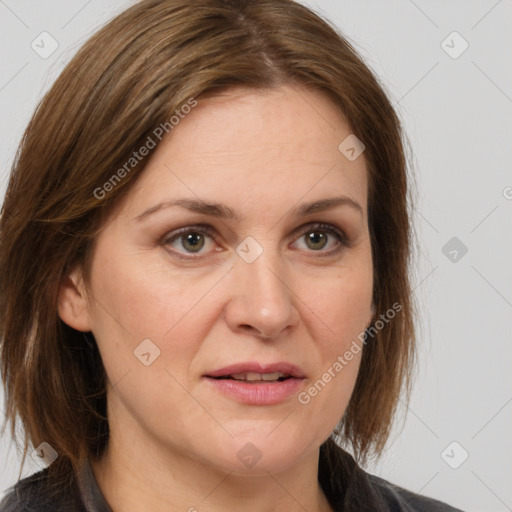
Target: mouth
(256, 372)
(255, 378)
(256, 384)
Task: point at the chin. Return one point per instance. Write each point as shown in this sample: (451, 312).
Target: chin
(258, 455)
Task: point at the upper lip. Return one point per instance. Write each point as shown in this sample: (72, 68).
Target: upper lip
(255, 367)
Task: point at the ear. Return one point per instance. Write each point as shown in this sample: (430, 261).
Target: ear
(72, 302)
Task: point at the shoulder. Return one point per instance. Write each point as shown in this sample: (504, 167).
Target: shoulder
(36, 494)
(350, 488)
(402, 500)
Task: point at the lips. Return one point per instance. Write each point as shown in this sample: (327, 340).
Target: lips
(258, 384)
(254, 371)
(257, 377)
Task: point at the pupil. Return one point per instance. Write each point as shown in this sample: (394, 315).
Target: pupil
(195, 241)
(317, 238)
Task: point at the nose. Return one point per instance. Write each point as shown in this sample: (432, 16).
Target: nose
(262, 301)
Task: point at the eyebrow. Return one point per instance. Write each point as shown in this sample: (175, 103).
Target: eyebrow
(224, 212)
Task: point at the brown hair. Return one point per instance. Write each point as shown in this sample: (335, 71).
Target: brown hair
(128, 79)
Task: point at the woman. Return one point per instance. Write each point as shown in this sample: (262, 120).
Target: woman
(204, 269)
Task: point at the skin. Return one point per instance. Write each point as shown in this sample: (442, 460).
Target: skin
(174, 439)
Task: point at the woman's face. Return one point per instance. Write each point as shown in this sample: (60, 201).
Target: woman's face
(182, 291)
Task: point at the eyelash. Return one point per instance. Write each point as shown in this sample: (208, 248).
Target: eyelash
(303, 230)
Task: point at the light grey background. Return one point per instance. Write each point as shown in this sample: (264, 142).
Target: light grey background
(457, 113)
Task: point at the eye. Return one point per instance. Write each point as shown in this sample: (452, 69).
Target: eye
(199, 240)
(318, 236)
(190, 240)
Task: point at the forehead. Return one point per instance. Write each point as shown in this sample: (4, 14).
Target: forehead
(254, 148)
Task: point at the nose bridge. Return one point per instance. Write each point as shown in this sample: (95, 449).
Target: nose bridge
(265, 300)
(265, 277)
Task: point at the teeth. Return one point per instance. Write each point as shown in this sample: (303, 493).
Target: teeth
(250, 376)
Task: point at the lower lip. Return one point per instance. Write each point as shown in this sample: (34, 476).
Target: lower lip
(259, 393)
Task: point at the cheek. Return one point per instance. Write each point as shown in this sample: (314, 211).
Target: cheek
(339, 312)
(149, 323)
(136, 301)
(342, 310)
(341, 303)
(143, 298)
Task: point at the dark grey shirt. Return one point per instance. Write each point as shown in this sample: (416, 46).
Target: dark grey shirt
(83, 495)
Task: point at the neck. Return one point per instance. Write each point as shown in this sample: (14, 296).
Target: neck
(135, 477)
